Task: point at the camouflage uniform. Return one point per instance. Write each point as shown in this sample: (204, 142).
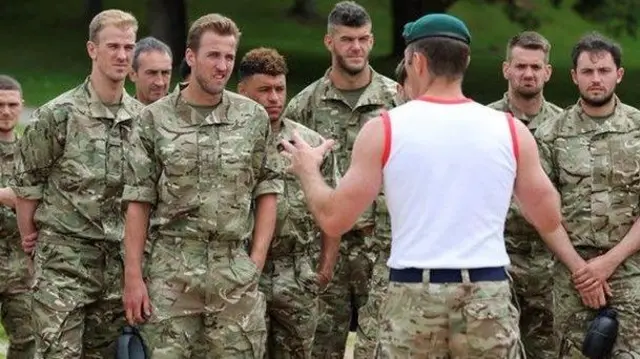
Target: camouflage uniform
(449, 320)
(201, 172)
(323, 108)
(594, 164)
(289, 278)
(71, 160)
(17, 272)
(369, 321)
(531, 262)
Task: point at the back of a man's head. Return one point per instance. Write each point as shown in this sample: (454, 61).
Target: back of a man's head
(443, 40)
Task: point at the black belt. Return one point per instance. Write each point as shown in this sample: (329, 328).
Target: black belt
(414, 275)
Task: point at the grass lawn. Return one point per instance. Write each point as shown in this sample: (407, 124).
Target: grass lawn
(47, 54)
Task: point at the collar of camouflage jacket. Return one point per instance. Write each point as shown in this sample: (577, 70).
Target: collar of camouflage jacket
(96, 108)
(191, 116)
(370, 96)
(617, 109)
(521, 115)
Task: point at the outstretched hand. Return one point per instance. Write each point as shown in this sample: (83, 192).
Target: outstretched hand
(304, 158)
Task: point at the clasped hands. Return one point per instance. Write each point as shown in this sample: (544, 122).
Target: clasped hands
(591, 281)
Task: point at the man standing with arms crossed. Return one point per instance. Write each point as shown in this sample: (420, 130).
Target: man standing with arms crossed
(591, 152)
(199, 174)
(290, 281)
(69, 168)
(527, 70)
(449, 294)
(151, 70)
(16, 267)
(336, 106)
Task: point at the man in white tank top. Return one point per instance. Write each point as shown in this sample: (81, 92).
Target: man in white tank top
(450, 167)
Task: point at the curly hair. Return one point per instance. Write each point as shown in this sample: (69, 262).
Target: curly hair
(264, 61)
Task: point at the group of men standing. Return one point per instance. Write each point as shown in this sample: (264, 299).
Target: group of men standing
(179, 205)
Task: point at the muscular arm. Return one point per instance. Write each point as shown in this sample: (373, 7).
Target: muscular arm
(265, 224)
(336, 210)
(330, 247)
(540, 202)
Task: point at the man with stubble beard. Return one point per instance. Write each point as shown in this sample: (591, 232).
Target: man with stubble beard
(337, 105)
(15, 267)
(69, 182)
(527, 69)
(200, 181)
(591, 152)
(290, 281)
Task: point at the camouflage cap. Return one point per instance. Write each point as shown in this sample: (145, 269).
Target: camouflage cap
(436, 25)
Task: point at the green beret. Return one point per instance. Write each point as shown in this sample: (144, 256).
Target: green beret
(436, 25)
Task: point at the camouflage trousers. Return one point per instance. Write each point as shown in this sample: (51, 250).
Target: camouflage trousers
(205, 301)
(572, 318)
(291, 288)
(369, 316)
(77, 297)
(532, 275)
(465, 320)
(16, 276)
(346, 293)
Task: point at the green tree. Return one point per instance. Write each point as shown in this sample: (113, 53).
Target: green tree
(621, 17)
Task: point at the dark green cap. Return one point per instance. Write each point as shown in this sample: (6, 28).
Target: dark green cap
(436, 25)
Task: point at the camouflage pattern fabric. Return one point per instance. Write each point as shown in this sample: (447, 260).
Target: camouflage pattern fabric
(289, 279)
(201, 174)
(16, 272)
(369, 320)
(205, 300)
(594, 164)
(323, 108)
(531, 262)
(453, 320)
(71, 159)
(77, 315)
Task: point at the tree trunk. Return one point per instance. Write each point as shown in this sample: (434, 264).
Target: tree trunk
(167, 21)
(404, 11)
(93, 7)
(305, 9)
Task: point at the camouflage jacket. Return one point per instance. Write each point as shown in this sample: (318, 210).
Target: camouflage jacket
(520, 236)
(202, 174)
(14, 268)
(8, 225)
(71, 157)
(594, 164)
(322, 108)
(295, 226)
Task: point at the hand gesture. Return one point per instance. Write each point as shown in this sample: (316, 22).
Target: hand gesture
(303, 157)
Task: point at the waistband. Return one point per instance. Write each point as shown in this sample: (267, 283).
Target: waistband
(417, 275)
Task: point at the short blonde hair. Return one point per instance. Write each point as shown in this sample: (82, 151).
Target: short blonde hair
(219, 24)
(111, 17)
(529, 40)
